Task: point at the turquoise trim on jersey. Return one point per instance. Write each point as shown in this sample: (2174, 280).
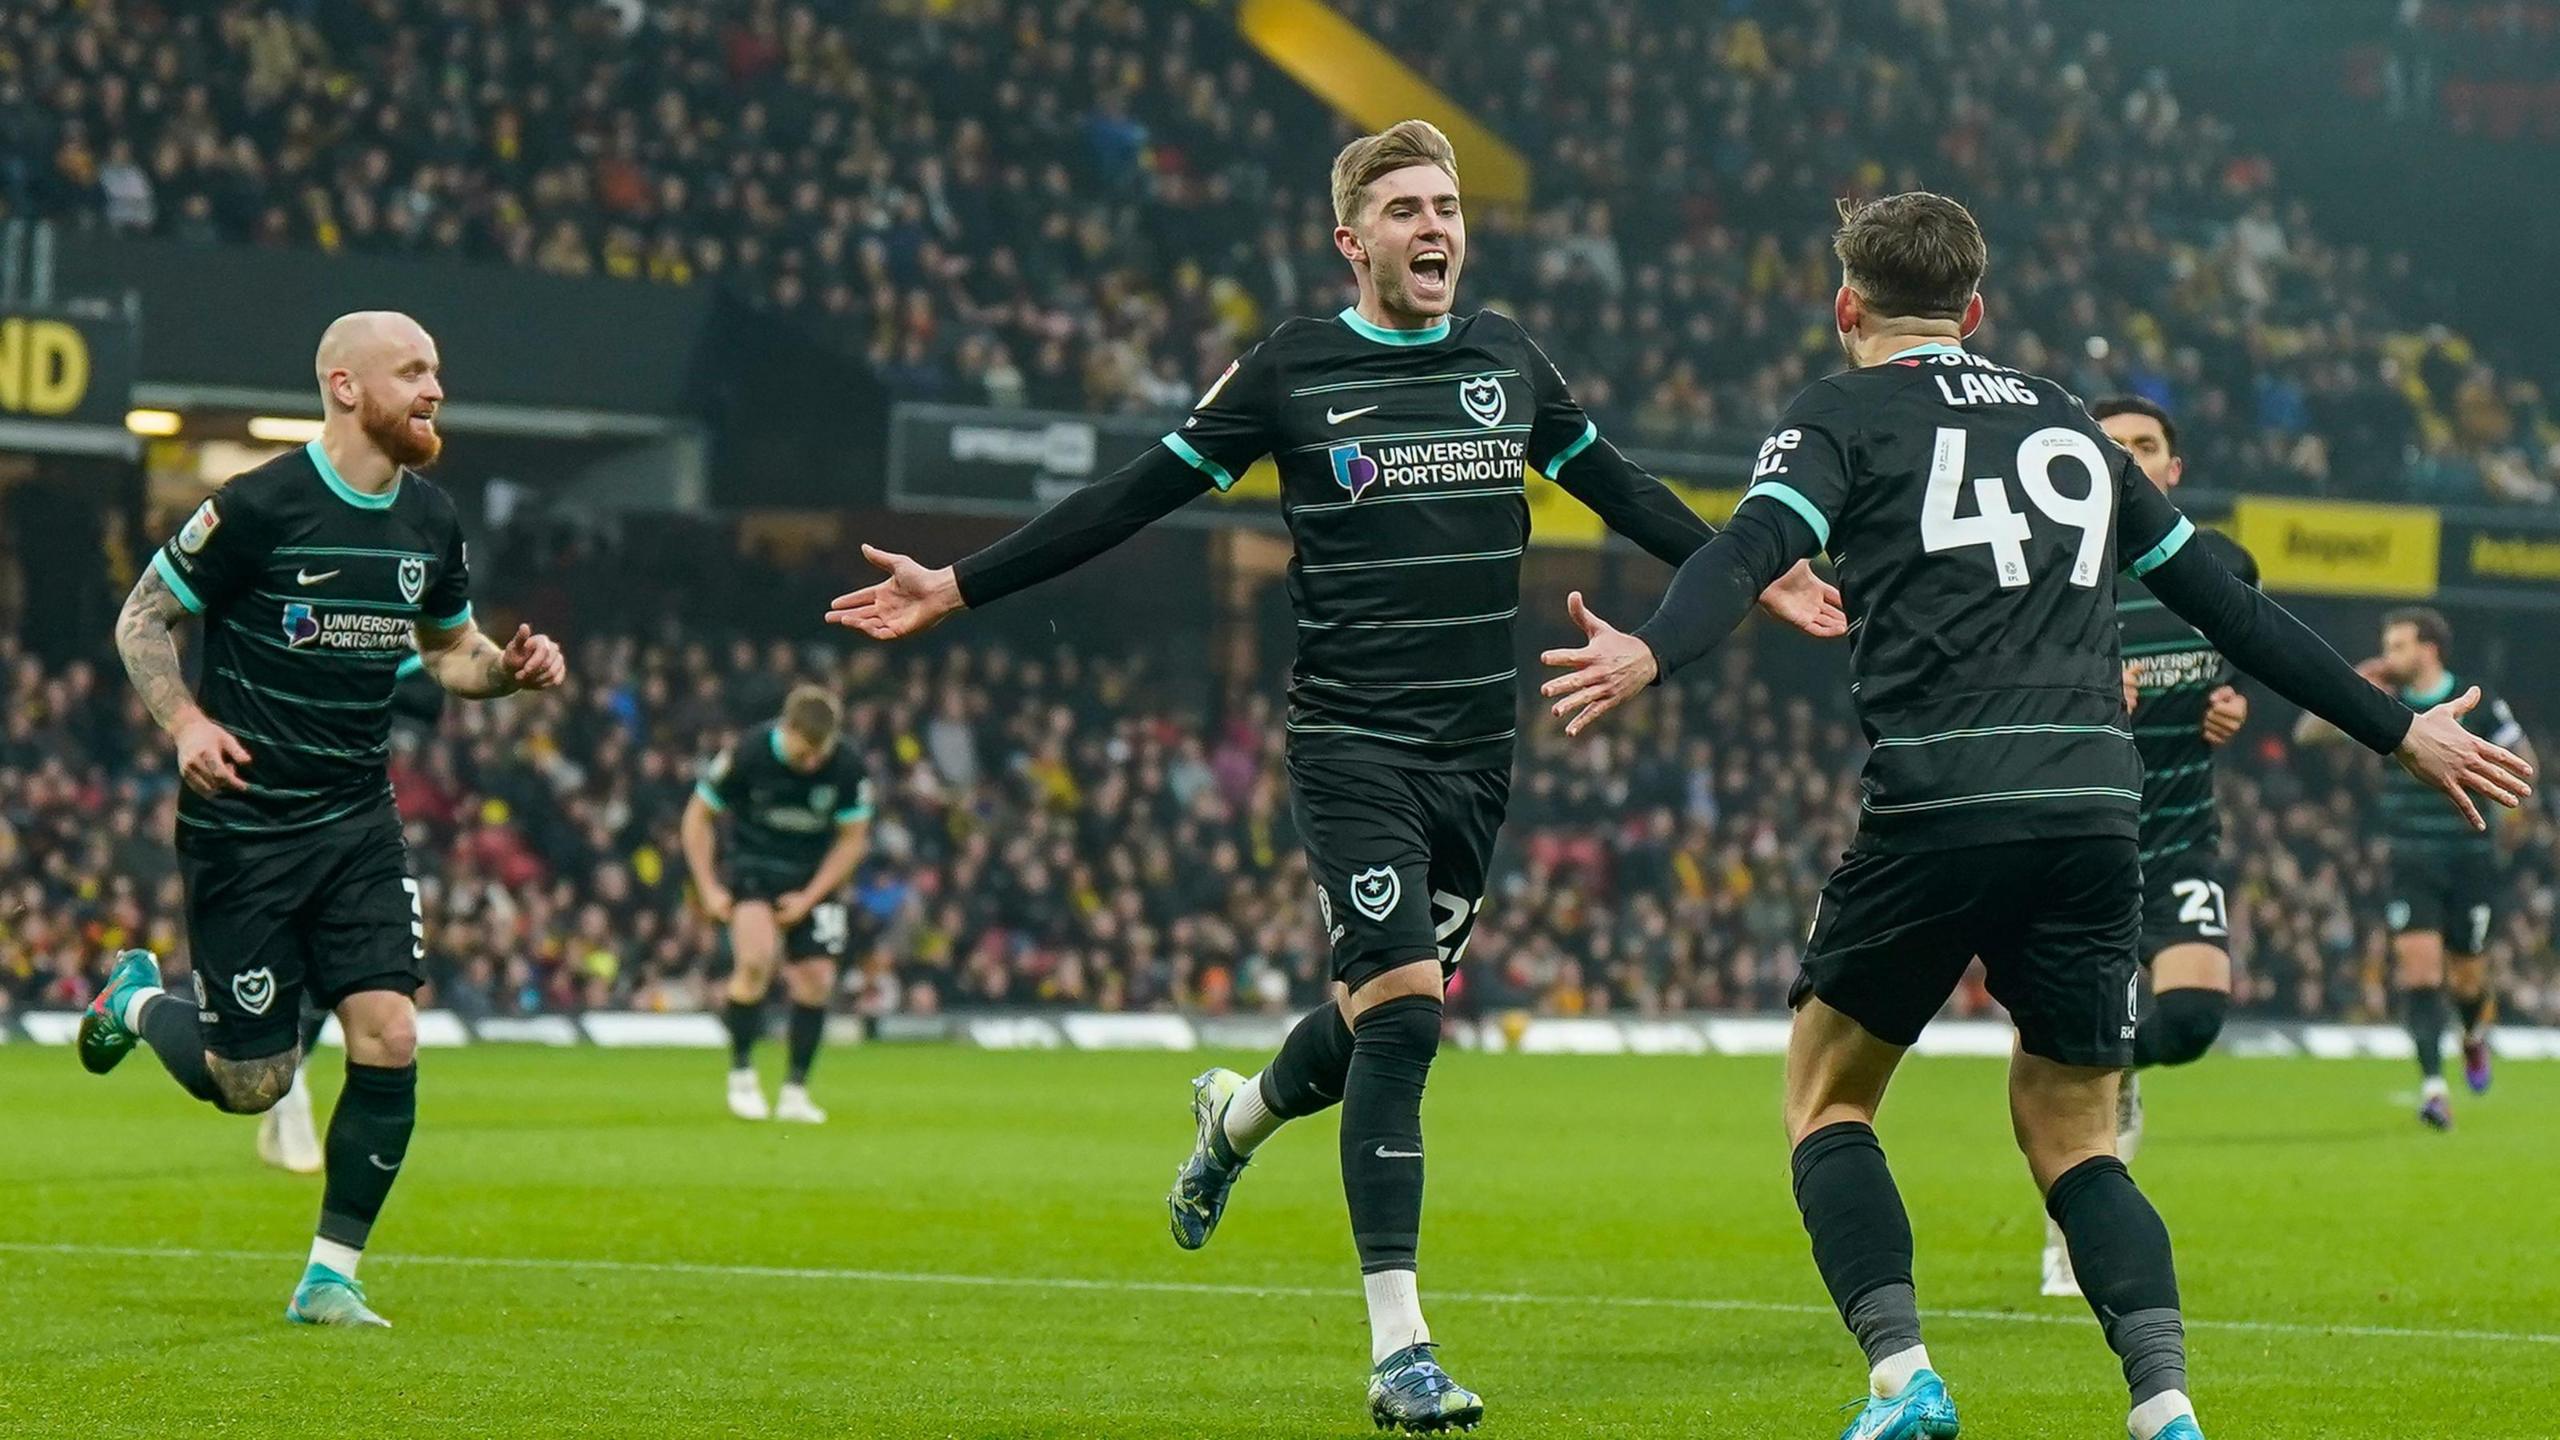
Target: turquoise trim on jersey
(1789, 496)
(852, 814)
(1216, 472)
(702, 791)
(2170, 544)
(2442, 693)
(773, 741)
(409, 667)
(1934, 347)
(168, 574)
(1430, 334)
(453, 621)
(1590, 432)
(347, 492)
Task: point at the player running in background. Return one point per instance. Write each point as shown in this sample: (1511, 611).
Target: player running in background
(316, 574)
(1403, 435)
(2444, 874)
(2002, 795)
(799, 806)
(2184, 706)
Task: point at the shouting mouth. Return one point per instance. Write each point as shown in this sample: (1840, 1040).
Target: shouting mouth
(1430, 270)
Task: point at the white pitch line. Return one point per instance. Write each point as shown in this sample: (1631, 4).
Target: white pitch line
(1180, 1287)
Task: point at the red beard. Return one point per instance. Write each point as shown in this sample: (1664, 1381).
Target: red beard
(391, 431)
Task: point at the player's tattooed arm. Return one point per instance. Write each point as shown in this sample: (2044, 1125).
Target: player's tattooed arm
(470, 664)
(210, 758)
(146, 638)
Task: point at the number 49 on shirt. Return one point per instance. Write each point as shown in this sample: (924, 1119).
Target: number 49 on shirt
(2003, 528)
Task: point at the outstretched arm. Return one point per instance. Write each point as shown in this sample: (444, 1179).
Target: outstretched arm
(1632, 501)
(915, 598)
(2264, 639)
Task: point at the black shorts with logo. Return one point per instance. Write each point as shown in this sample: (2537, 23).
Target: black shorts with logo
(827, 930)
(2058, 924)
(319, 914)
(2450, 891)
(1399, 857)
(2185, 902)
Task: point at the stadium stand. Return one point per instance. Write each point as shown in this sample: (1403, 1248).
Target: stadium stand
(1158, 199)
(1052, 835)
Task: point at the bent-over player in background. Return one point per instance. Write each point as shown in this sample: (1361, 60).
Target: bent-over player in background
(799, 807)
(1979, 517)
(2184, 706)
(1403, 436)
(2444, 876)
(316, 575)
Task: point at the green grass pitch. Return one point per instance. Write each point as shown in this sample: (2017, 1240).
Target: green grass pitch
(586, 1244)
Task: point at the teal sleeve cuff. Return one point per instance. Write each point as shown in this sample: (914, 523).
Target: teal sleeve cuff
(177, 585)
(1216, 472)
(1590, 432)
(702, 791)
(851, 813)
(455, 620)
(2170, 544)
(1794, 499)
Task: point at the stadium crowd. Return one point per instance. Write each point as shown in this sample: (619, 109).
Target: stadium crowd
(1158, 199)
(1053, 832)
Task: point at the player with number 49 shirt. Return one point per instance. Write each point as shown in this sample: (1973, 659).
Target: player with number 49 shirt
(799, 805)
(1979, 518)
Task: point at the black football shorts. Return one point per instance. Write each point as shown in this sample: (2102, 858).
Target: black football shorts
(1400, 858)
(2057, 923)
(321, 913)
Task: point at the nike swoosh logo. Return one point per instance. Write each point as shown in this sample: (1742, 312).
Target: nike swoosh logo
(378, 1165)
(1386, 1154)
(305, 577)
(1336, 417)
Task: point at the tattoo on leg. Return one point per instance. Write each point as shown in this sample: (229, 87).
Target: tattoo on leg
(252, 1087)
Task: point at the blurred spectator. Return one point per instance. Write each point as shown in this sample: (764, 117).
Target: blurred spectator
(1050, 834)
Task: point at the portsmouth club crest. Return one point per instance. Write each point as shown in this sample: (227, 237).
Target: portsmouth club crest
(413, 580)
(254, 989)
(1375, 891)
(1483, 400)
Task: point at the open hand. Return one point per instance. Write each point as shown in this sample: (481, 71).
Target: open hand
(911, 601)
(2456, 762)
(1611, 667)
(1808, 602)
(793, 908)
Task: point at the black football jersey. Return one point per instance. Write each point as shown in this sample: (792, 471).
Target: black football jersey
(2175, 670)
(311, 593)
(1977, 518)
(1403, 459)
(2415, 817)
(783, 819)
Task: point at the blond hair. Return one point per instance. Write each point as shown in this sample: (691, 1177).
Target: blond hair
(812, 714)
(1407, 142)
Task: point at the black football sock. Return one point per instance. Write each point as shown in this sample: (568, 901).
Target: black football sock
(2474, 1009)
(1392, 1046)
(368, 1141)
(2181, 1027)
(2425, 1010)
(1305, 1078)
(746, 1027)
(170, 1028)
(808, 1026)
(2120, 1251)
(1861, 1236)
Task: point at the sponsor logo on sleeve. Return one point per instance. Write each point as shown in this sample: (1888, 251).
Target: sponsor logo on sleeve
(199, 528)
